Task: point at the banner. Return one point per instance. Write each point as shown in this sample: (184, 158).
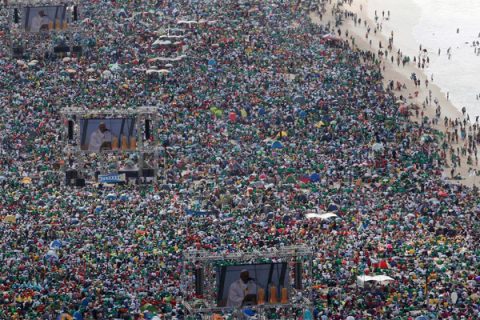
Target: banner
(111, 178)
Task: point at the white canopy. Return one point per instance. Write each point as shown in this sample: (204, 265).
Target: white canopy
(378, 278)
(179, 58)
(322, 216)
(187, 22)
(162, 42)
(164, 71)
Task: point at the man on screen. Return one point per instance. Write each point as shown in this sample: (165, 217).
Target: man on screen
(242, 291)
(100, 139)
(40, 22)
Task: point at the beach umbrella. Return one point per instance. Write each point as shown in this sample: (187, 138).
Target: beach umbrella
(314, 177)
(56, 244)
(26, 180)
(33, 63)
(67, 59)
(71, 71)
(65, 316)
(403, 109)
(299, 99)
(51, 255)
(111, 196)
(114, 67)
(377, 147)
(90, 70)
(290, 179)
(442, 194)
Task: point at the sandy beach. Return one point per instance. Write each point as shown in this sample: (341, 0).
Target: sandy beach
(355, 34)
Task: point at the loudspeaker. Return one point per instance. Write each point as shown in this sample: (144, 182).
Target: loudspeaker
(298, 276)
(199, 281)
(129, 173)
(75, 13)
(70, 129)
(16, 17)
(77, 49)
(148, 172)
(80, 182)
(61, 49)
(17, 52)
(147, 129)
(71, 174)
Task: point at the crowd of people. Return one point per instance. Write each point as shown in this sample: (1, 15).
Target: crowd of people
(266, 120)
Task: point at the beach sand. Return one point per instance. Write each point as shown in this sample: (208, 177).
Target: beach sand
(399, 73)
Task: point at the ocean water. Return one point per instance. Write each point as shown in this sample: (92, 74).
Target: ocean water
(433, 24)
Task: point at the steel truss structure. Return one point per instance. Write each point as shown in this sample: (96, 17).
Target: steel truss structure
(207, 261)
(146, 151)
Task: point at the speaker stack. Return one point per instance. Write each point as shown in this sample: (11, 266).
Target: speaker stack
(71, 177)
(298, 276)
(16, 17)
(147, 129)
(70, 129)
(199, 281)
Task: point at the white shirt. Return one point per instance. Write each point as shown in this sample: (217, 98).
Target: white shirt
(38, 22)
(97, 138)
(237, 292)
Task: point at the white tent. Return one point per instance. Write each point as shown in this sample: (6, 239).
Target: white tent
(322, 216)
(187, 22)
(378, 278)
(162, 42)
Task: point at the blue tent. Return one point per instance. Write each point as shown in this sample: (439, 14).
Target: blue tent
(332, 207)
(277, 145)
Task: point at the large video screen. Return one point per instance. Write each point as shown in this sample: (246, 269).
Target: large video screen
(45, 18)
(108, 134)
(240, 285)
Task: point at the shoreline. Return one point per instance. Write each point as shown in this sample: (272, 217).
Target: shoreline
(355, 34)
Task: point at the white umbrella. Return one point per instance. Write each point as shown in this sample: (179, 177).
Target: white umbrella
(377, 147)
(106, 74)
(67, 59)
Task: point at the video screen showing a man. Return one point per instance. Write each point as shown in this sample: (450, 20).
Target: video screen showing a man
(239, 286)
(97, 135)
(39, 19)
(243, 291)
(100, 139)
